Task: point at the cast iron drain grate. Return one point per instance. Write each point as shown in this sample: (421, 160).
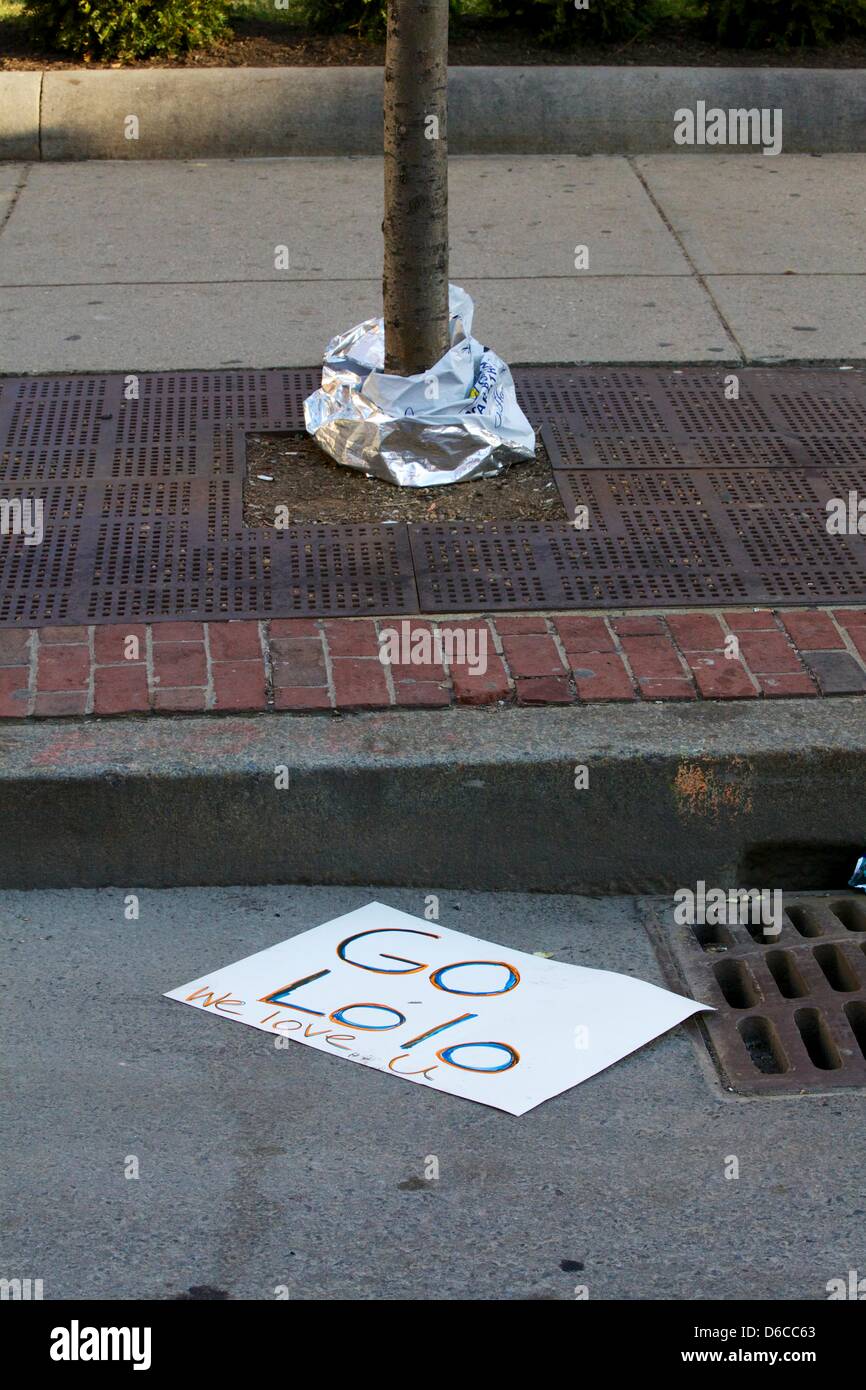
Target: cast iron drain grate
(693, 499)
(791, 1009)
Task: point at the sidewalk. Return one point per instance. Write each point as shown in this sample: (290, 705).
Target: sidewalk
(698, 770)
(169, 265)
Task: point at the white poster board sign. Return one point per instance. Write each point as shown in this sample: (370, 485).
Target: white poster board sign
(439, 1008)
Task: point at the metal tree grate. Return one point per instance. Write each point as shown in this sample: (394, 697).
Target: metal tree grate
(791, 1009)
(693, 499)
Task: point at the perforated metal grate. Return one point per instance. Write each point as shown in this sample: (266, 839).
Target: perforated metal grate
(344, 570)
(791, 1008)
(693, 498)
(706, 487)
(502, 565)
(141, 481)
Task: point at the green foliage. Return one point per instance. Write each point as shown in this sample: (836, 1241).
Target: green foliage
(125, 28)
(785, 23)
(559, 22)
(128, 29)
(365, 17)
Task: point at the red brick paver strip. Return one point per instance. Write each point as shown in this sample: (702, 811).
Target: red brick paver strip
(697, 632)
(180, 664)
(360, 683)
(120, 690)
(543, 690)
(14, 692)
(783, 685)
(581, 634)
(721, 678)
(486, 680)
(234, 641)
(602, 676)
(239, 685)
(190, 700)
(812, 631)
(351, 664)
(757, 619)
(354, 636)
(673, 688)
(837, 673)
(532, 655)
(421, 681)
(299, 661)
(766, 652)
(652, 657)
(638, 625)
(115, 644)
(15, 647)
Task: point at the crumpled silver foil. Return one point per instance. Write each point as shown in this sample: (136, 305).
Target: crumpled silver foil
(458, 421)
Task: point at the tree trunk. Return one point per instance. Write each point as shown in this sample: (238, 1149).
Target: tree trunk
(415, 283)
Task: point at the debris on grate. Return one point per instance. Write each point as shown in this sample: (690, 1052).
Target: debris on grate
(791, 1007)
(289, 476)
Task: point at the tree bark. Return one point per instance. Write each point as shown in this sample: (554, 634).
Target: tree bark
(415, 282)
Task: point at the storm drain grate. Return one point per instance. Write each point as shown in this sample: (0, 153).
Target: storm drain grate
(692, 498)
(791, 1008)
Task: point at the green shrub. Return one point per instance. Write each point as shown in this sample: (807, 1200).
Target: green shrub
(558, 21)
(785, 23)
(365, 17)
(125, 28)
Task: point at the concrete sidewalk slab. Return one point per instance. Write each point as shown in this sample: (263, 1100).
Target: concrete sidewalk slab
(155, 327)
(601, 319)
(165, 327)
(525, 217)
(196, 221)
(114, 222)
(784, 317)
(166, 265)
(737, 215)
(244, 1182)
(12, 177)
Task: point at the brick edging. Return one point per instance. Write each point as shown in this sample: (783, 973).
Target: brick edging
(333, 664)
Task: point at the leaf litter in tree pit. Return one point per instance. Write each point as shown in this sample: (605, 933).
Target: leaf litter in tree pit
(289, 470)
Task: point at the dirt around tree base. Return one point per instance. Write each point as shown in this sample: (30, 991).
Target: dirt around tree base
(290, 470)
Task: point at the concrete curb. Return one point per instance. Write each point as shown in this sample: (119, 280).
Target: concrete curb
(240, 112)
(767, 794)
(20, 98)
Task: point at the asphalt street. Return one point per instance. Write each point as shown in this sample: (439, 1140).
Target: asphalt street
(264, 1168)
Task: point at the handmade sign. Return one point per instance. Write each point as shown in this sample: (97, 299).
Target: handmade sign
(440, 1008)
